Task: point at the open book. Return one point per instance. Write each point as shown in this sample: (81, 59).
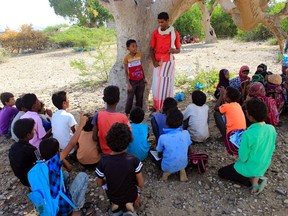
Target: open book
(155, 155)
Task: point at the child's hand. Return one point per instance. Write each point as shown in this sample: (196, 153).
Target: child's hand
(145, 81)
(156, 64)
(83, 120)
(130, 88)
(222, 90)
(49, 112)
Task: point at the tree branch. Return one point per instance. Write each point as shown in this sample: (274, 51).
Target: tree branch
(283, 13)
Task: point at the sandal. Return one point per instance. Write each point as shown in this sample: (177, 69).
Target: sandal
(87, 211)
(261, 186)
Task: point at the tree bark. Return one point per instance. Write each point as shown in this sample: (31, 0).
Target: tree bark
(210, 35)
(136, 19)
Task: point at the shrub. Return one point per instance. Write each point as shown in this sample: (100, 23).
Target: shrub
(26, 39)
(260, 33)
(3, 55)
(82, 37)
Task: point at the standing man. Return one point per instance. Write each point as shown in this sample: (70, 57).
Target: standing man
(164, 43)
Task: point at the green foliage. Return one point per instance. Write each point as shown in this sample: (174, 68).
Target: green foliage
(3, 55)
(103, 58)
(272, 41)
(26, 39)
(87, 13)
(260, 33)
(208, 79)
(82, 37)
(223, 23)
(53, 29)
(190, 22)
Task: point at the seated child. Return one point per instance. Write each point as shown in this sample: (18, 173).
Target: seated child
(50, 151)
(255, 152)
(235, 118)
(63, 122)
(88, 152)
(174, 145)
(21, 112)
(45, 120)
(7, 113)
(139, 146)
(120, 170)
(158, 120)
(104, 119)
(32, 104)
(197, 115)
(223, 81)
(22, 155)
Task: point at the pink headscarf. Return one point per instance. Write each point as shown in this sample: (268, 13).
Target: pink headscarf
(243, 78)
(257, 89)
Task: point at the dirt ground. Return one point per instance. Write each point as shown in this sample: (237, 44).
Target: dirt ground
(204, 194)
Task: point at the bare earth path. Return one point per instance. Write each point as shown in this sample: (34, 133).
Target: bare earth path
(204, 194)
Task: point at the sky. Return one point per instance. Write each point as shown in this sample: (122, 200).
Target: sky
(14, 13)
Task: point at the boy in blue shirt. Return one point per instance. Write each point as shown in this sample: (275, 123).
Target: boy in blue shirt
(174, 145)
(139, 147)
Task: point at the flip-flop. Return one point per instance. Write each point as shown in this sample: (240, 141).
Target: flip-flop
(261, 186)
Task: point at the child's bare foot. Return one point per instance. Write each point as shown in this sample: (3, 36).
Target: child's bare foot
(129, 207)
(114, 207)
(183, 176)
(165, 176)
(257, 188)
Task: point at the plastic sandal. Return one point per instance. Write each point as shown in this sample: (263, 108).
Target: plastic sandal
(261, 186)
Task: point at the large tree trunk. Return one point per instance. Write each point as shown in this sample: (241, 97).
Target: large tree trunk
(136, 19)
(210, 35)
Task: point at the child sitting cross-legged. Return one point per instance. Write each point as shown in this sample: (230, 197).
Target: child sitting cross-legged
(197, 116)
(121, 171)
(174, 145)
(140, 132)
(50, 151)
(255, 151)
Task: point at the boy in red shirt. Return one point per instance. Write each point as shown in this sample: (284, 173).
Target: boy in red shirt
(135, 76)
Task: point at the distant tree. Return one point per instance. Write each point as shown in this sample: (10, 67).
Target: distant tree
(87, 13)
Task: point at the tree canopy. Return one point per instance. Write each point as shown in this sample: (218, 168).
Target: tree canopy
(87, 13)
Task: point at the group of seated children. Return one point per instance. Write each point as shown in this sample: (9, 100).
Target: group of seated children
(102, 141)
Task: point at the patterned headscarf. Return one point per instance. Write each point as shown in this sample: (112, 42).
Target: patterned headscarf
(257, 89)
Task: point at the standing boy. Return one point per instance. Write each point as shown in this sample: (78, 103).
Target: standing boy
(135, 76)
(165, 42)
(7, 113)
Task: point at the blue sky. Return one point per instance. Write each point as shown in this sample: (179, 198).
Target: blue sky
(14, 13)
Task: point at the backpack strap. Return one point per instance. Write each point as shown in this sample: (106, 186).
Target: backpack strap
(64, 195)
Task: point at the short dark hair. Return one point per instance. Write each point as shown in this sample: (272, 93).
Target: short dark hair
(163, 15)
(137, 115)
(48, 148)
(118, 137)
(5, 97)
(88, 126)
(198, 97)
(58, 98)
(18, 104)
(169, 103)
(23, 127)
(111, 94)
(28, 100)
(174, 118)
(233, 94)
(257, 109)
(129, 42)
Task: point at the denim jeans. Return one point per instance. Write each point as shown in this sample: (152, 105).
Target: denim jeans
(78, 188)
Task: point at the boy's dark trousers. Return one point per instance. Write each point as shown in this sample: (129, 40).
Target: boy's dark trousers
(220, 123)
(138, 87)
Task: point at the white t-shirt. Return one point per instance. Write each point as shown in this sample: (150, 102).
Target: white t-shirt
(62, 122)
(198, 121)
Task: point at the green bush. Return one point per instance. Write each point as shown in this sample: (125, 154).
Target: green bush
(190, 22)
(260, 33)
(82, 37)
(53, 29)
(3, 55)
(222, 23)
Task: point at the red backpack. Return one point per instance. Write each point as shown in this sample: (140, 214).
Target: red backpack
(273, 113)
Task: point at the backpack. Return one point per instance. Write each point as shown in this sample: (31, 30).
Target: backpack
(198, 160)
(273, 114)
(276, 92)
(40, 196)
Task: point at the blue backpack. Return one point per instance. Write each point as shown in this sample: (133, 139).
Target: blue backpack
(41, 197)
